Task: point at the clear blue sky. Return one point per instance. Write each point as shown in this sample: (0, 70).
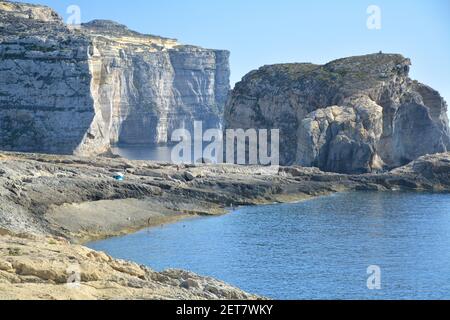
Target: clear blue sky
(259, 32)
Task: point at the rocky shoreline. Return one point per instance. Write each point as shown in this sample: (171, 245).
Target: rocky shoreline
(358, 114)
(50, 203)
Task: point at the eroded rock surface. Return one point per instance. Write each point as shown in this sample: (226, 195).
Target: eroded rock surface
(353, 115)
(77, 90)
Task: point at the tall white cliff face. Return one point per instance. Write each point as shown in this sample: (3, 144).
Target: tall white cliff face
(80, 90)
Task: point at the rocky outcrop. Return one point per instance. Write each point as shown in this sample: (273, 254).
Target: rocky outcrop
(79, 89)
(354, 115)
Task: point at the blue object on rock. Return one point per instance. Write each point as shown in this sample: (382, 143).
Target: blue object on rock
(119, 176)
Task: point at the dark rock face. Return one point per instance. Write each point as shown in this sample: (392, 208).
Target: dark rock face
(78, 90)
(353, 115)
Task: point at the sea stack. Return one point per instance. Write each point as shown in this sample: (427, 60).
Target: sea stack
(353, 115)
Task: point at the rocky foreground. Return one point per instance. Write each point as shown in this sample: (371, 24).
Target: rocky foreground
(48, 203)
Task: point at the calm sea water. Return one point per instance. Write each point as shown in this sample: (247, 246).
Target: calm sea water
(155, 153)
(161, 153)
(317, 249)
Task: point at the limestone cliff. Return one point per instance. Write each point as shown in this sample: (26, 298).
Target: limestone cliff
(353, 115)
(50, 268)
(78, 90)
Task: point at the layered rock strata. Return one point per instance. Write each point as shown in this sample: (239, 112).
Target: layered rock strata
(353, 115)
(80, 89)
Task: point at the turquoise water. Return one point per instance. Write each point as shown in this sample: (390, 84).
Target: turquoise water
(317, 249)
